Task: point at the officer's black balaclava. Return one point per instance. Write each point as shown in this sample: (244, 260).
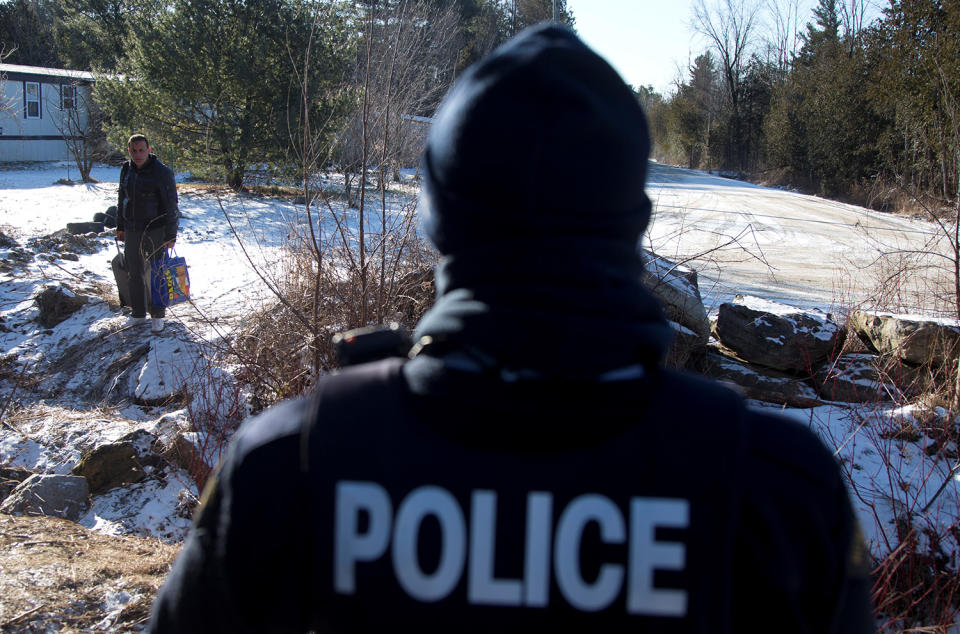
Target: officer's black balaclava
(540, 139)
(533, 192)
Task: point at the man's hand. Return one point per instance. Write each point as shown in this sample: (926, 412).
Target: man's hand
(119, 235)
(170, 244)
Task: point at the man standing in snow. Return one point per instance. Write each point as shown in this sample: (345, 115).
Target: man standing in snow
(147, 220)
(532, 466)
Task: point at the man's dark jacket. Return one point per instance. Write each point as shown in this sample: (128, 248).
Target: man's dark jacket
(147, 198)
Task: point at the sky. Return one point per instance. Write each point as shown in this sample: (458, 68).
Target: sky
(647, 42)
(652, 43)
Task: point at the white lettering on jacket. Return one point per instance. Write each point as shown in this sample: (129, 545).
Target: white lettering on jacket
(470, 544)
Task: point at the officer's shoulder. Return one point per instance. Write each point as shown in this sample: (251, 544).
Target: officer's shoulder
(689, 382)
(363, 388)
(279, 423)
(286, 419)
(783, 445)
(774, 442)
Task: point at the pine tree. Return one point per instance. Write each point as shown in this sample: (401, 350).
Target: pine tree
(215, 82)
(26, 33)
(94, 34)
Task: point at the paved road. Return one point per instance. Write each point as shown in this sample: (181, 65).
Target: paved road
(799, 249)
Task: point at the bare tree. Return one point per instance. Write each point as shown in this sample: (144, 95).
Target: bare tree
(359, 261)
(80, 125)
(6, 103)
(408, 60)
(852, 16)
(784, 44)
(729, 26)
(416, 67)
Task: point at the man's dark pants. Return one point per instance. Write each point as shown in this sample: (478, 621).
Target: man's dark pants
(140, 247)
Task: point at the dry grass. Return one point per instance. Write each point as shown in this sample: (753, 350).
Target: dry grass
(56, 575)
(283, 347)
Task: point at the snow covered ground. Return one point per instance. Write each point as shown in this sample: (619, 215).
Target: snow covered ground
(768, 243)
(780, 245)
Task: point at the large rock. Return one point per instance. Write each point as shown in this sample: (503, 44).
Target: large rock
(57, 304)
(762, 384)
(776, 335)
(63, 496)
(10, 479)
(197, 453)
(676, 288)
(109, 466)
(686, 345)
(913, 340)
(856, 378)
(85, 227)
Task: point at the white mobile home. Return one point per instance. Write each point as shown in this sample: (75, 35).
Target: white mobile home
(40, 108)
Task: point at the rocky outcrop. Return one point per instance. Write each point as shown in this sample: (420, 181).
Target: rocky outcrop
(776, 335)
(915, 341)
(126, 461)
(856, 378)
(56, 304)
(677, 289)
(10, 479)
(757, 382)
(63, 496)
(109, 466)
(84, 227)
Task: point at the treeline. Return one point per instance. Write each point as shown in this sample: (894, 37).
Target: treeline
(228, 87)
(869, 112)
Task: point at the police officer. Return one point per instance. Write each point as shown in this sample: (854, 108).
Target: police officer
(531, 467)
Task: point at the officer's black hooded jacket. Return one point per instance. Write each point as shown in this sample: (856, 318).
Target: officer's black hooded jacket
(532, 468)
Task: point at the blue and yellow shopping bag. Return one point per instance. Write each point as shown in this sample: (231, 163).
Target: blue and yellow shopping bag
(169, 280)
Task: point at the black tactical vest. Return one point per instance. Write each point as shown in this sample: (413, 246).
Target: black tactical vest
(602, 507)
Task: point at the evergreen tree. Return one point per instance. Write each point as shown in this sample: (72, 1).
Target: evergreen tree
(26, 33)
(823, 31)
(821, 125)
(916, 84)
(729, 25)
(215, 82)
(692, 114)
(524, 13)
(758, 85)
(94, 34)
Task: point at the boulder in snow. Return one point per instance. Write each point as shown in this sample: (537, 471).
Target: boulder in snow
(776, 335)
(168, 372)
(84, 227)
(915, 341)
(6, 242)
(685, 346)
(109, 466)
(676, 288)
(56, 304)
(856, 378)
(10, 479)
(49, 495)
(762, 384)
(197, 453)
